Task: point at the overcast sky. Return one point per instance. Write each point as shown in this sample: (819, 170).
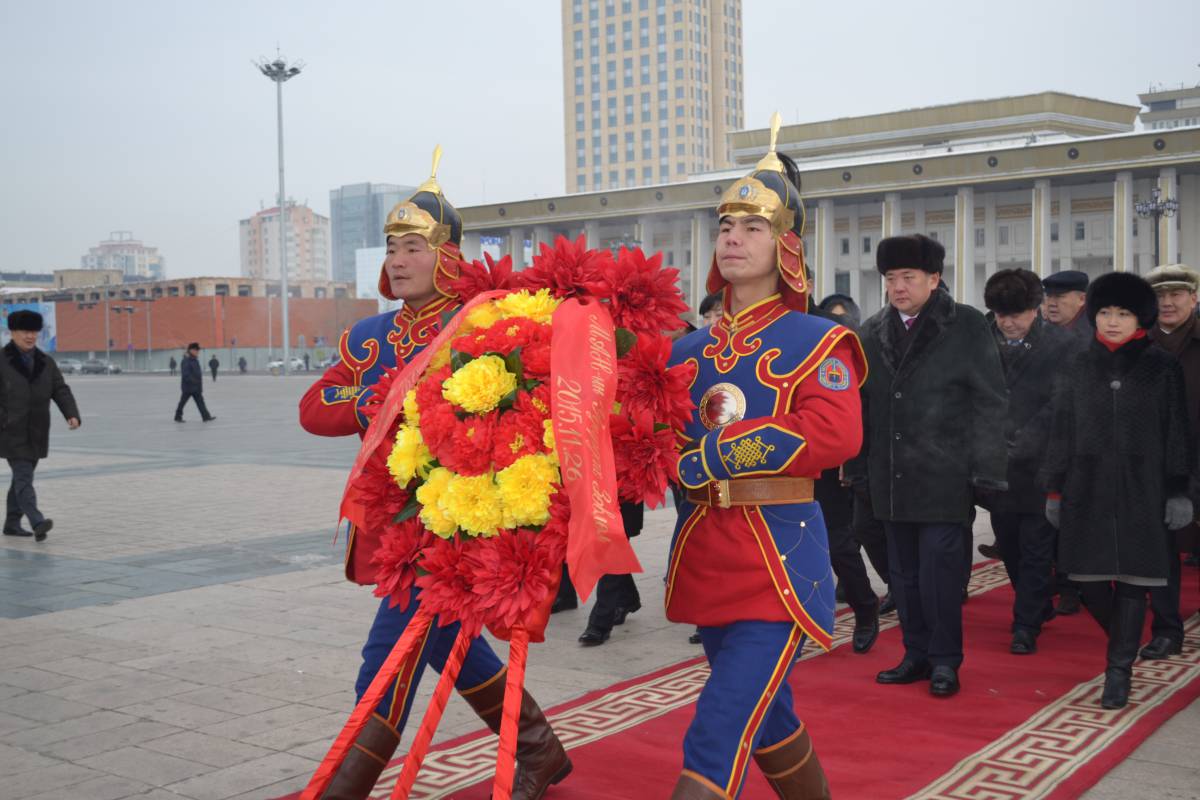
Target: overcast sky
(148, 116)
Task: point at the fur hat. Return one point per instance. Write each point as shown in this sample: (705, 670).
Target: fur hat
(193, 346)
(1012, 291)
(1174, 276)
(917, 251)
(24, 320)
(1124, 290)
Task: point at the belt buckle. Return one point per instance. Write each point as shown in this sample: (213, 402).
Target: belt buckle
(718, 494)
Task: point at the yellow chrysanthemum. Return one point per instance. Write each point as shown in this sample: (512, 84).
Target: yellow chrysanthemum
(440, 359)
(538, 307)
(412, 412)
(429, 495)
(548, 441)
(525, 489)
(409, 457)
(483, 316)
(478, 386)
(473, 502)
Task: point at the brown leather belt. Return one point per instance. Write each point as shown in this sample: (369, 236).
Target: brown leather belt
(752, 492)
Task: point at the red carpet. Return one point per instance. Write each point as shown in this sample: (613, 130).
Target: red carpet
(1021, 726)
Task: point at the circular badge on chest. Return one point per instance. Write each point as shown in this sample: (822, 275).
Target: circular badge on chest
(722, 404)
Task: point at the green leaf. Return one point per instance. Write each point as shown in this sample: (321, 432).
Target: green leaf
(626, 339)
(512, 362)
(410, 510)
(508, 400)
(661, 426)
(458, 360)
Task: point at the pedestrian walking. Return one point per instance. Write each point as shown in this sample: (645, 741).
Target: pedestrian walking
(306, 362)
(191, 378)
(242, 365)
(29, 380)
(172, 364)
(1118, 467)
(213, 364)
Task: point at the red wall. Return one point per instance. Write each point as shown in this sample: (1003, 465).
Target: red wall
(211, 321)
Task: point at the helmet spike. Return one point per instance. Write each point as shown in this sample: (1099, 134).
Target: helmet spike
(771, 160)
(431, 184)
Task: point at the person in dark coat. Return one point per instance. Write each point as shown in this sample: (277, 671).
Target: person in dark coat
(1177, 332)
(934, 391)
(1066, 297)
(191, 378)
(616, 595)
(172, 364)
(1118, 467)
(242, 365)
(29, 380)
(213, 364)
(710, 309)
(1032, 353)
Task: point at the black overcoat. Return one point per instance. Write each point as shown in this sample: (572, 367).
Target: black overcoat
(191, 376)
(930, 414)
(1119, 447)
(26, 396)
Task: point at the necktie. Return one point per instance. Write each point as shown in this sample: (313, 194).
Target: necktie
(908, 323)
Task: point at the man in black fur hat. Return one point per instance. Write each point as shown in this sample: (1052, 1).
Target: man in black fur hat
(29, 380)
(934, 391)
(1032, 352)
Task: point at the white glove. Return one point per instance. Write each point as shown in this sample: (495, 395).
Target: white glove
(1053, 510)
(1179, 513)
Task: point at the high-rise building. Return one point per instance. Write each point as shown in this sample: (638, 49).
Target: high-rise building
(356, 214)
(121, 251)
(650, 88)
(307, 244)
(1170, 108)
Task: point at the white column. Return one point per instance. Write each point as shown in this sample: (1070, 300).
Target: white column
(472, 249)
(1168, 232)
(646, 233)
(855, 234)
(541, 235)
(891, 215)
(516, 247)
(1040, 229)
(702, 254)
(990, 232)
(1122, 223)
(1065, 233)
(823, 243)
(1189, 227)
(591, 231)
(919, 215)
(964, 245)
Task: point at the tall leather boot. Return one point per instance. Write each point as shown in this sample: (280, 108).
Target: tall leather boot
(541, 759)
(691, 786)
(1097, 597)
(1124, 636)
(792, 768)
(371, 753)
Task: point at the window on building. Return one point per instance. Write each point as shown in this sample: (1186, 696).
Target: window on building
(979, 238)
(845, 247)
(1080, 231)
(866, 244)
(1135, 226)
(647, 174)
(581, 183)
(680, 168)
(1002, 235)
(630, 177)
(614, 179)
(1054, 231)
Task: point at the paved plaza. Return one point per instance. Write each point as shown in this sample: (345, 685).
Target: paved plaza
(185, 631)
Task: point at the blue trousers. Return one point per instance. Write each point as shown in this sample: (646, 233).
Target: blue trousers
(926, 560)
(746, 704)
(479, 666)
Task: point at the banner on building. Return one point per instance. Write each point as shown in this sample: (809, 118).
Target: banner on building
(47, 339)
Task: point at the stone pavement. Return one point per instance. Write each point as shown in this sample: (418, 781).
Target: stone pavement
(185, 631)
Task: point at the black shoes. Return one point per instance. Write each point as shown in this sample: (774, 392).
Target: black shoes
(593, 637)
(180, 419)
(905, 672)
(564, 603)
(1068, 604)
(866, 631)
(209, 419)
(695, 637)
(17, 531)
(1161, 647)
(41, 529)
(944, 681)
(622, 612)
(888, 604)
(989, 551)
(1116, 688)
(1024, 643)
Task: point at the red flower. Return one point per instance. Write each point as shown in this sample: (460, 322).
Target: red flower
(447, 583)
(475, 278)
(519, 432)
(565, 269)
(381, 497)
(437, 415)
(645, 458)
(554, 532)
(395, 561)
(642, 297)
(646, 386)
(379, 391)
(512, 574)
(468, 451)
(502, 337)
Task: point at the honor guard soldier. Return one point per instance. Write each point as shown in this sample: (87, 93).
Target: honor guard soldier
(423, 235)
(776, 391)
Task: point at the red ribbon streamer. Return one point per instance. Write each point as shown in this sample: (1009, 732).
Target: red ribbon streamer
(433, 715)
(514, 693)
(583, 383)
(405, 648)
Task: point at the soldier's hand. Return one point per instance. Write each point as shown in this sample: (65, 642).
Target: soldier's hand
(1179, 513)
(73, 423)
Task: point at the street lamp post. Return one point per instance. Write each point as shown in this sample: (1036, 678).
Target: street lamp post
(280, 71)
(128, 333)
(1156, 208)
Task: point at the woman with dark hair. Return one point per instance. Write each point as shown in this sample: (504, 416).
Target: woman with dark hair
(1117, 468)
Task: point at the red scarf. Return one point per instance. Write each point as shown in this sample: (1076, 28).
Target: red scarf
(1113, 347)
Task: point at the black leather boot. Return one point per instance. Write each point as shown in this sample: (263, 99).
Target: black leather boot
(1124, 636)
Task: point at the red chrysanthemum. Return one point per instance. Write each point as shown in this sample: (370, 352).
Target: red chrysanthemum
(476, 278)
(447, 584)
(511, 575)
(437, 415)
(379, 391)
(381, 498)
(468, 451)
(646, 386)
(642, 296)
(519, 432)
(554, 532)
(395, 561)
(502, 337)
(645, 458)
(565, 269)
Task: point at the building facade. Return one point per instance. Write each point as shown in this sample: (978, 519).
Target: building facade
(1171, 108)
(356, 215)
(69, 287)
(1047, 182)
(122, 252)
(650, 88)
(307, 244)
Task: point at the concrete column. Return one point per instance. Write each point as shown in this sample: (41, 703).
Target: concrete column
(964, 245)
(891, 215)
(702, 254)
(646, 232)
(1168, 231)
(919, 215)
(472, 249)
(1065, 224)
(591, 231)
(855, 235)
(1122, 222)
(823, 243)
(990, 232)
(516, 247)
(1189, 223)
(541, 235)
(1040, 229)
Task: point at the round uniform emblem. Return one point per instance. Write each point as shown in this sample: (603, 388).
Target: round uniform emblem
(744, 192)
(833, 374)
(722, 404)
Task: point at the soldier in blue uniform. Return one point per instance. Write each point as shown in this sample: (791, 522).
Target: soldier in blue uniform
(777, 401)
